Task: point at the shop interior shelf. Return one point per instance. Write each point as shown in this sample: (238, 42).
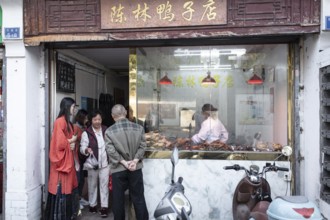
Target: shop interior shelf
(326, 85)
(326, 165)
(325, 101)
(326, 150)
(326, 196)
(325, 70)
(325, 133)
(325, 117)
(326, 181)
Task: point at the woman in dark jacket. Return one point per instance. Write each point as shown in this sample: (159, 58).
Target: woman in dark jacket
(92, 143)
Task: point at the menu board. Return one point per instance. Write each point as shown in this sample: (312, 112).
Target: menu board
(65, 77)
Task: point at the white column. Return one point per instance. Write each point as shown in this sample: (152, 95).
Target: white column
(315, 54)
(24, 120)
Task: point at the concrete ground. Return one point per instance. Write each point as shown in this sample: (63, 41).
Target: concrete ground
(86, 215)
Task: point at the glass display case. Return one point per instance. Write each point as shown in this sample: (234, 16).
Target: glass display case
(246, 85)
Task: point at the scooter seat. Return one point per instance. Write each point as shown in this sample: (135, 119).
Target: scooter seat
(294, 199)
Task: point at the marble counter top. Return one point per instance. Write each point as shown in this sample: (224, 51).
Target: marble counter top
(207, 185)
(218, 155)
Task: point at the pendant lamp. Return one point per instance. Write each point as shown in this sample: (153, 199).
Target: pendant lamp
(165, 80)
(208, 80)
(255, 80)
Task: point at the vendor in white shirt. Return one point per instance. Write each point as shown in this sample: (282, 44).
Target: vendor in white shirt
(212, 129)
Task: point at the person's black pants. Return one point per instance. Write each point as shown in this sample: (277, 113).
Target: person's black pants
(81, 174)
(133, 181)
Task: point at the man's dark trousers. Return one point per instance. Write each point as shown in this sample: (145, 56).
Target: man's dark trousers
(133, 181)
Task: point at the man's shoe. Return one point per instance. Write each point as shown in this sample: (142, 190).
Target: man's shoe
(92, 209)
(104, 212)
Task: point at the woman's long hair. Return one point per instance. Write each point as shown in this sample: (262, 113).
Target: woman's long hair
(65, 106)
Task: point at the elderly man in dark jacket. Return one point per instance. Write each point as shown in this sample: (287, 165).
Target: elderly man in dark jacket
(125, 146)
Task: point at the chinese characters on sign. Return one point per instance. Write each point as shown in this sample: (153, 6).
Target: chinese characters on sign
(12, 33)
(65, 76)
(162, 13)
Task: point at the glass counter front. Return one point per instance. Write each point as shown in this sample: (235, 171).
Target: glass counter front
(246, 86)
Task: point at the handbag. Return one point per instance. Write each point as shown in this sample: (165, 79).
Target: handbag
(91, 163)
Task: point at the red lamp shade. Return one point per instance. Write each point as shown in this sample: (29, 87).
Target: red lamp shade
(208, 80)
(255, 80)
(165, 80)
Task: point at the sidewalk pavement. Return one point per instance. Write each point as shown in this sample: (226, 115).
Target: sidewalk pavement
(86, 215)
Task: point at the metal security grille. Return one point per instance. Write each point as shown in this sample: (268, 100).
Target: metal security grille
(325, 132)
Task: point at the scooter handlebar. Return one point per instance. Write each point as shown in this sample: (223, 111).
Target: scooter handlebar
(282, 169)
(234, 167)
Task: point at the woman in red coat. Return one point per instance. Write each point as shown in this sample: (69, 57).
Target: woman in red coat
(62, 174)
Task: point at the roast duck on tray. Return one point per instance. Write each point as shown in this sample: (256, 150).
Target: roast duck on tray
(157, 141)
(160, 142)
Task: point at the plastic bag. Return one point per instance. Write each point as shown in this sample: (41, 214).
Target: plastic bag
(91, 163)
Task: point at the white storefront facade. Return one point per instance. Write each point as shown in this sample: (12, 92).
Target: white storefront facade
(27, 114)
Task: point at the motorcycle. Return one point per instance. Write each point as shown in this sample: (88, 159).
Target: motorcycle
(252, 197)
(174, 205)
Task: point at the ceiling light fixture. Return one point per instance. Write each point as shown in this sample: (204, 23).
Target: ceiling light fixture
(202, 67)
(204, 53)
(208, 80)
(165, 80)
(255, 80)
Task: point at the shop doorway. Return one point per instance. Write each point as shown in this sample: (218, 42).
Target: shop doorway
(95, 78)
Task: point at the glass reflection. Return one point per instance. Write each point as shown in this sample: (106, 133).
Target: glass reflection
(255, 115)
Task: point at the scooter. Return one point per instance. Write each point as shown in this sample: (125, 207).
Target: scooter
(252, 198)
(253, 194)
(174, 205)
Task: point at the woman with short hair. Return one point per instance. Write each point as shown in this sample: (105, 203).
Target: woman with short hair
(92, 143)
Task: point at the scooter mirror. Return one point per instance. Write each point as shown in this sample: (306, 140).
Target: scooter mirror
(287, 151)
(175, 156)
